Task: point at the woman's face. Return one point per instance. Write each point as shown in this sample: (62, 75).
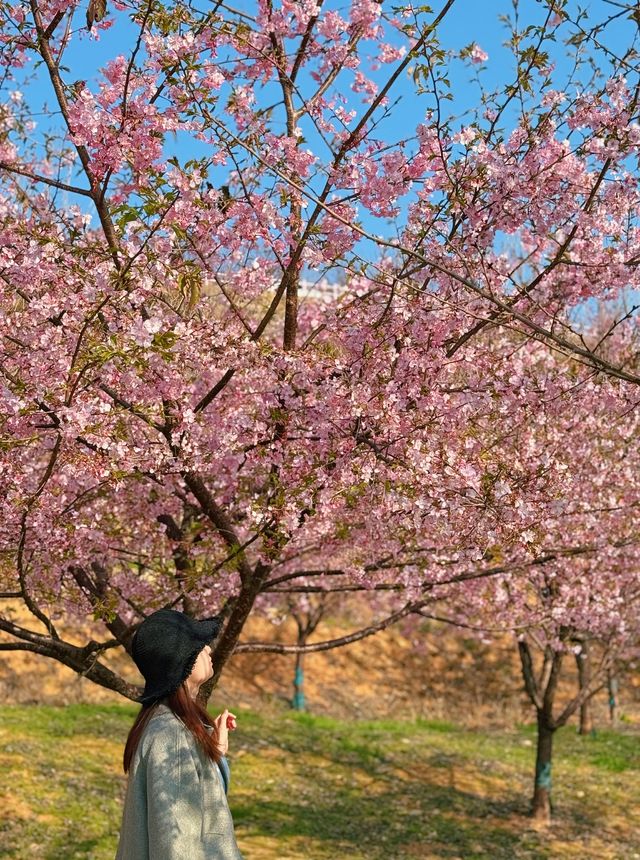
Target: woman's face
(202, 670)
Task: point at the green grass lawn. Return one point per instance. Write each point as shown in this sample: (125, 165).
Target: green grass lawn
(310, 788)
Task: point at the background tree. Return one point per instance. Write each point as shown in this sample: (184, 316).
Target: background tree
(307, 614)
(583, 664)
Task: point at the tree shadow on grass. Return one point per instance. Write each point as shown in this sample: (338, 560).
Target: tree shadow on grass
(409, 820)
(71, 846)
(451, 803)
(363, 794)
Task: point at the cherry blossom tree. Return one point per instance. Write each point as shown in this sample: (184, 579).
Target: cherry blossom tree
(546, 617)
(542, 684)
(579, 588)
(259, 340)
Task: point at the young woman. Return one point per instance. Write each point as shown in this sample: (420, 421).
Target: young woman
(176, 803)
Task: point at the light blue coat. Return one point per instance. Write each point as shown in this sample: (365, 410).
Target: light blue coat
(176, 805)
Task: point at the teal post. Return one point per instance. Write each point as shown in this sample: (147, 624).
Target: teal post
(298, 702)
(543, 776)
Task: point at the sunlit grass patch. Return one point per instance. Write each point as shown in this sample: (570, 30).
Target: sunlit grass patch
(316, 788)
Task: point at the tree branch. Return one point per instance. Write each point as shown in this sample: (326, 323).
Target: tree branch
(277, 648)
(58, 87)
(35, 177)
(528, 674)
(221, 521)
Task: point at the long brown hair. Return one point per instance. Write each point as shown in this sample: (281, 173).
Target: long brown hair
(189, 712)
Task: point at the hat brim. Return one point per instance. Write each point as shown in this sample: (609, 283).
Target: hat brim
(209, 628)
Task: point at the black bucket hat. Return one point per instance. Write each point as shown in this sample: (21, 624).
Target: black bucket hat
(165, 648)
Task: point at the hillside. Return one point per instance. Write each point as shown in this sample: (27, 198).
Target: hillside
(438, 674)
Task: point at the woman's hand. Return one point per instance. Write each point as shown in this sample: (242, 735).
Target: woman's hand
(224, 723)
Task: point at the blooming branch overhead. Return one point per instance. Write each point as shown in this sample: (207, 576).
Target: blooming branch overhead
(272, 317)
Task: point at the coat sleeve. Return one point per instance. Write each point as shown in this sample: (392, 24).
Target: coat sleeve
(225, 773)
(174, 798)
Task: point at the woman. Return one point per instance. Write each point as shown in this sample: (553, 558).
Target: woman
(176, 804)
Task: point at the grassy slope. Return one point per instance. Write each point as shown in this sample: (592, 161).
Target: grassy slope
(308, 788)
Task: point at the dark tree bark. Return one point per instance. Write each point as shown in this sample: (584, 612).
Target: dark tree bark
(541, 689)
(541, 803)
(612, 689)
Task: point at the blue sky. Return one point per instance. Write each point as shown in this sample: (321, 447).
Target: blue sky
(469, 21)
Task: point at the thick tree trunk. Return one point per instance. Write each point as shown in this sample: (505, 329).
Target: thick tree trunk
(541, 805)
(583, 661)
(298, 701)
(541, 690)
(224, 646)
(586, 720)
